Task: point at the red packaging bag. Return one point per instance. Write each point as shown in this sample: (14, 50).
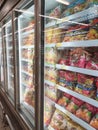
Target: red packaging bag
(70, 76)
(74, 105)
(64, 100)
(64, 61)
(94, 121)
(92, 65)
(85, 79)
(85, 112)
(97, 88)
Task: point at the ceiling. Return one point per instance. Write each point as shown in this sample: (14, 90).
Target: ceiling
(6, 6)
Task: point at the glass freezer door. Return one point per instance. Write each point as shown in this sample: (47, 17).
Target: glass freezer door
(24, 31)
(8, 45)
(71, 64)
(1, 60)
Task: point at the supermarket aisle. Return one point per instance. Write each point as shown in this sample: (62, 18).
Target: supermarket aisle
(3, 123)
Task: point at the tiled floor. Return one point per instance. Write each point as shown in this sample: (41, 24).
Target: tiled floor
(3, 123)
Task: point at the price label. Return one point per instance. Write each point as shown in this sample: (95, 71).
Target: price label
(58, 44)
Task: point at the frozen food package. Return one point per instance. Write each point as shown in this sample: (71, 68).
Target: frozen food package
(70, 85)
(61, 78)
(51, 55)
(92, 65)
(51, 92)
(28, 81)
(56, 12)
(74, 105)
(57, 35)
(28, 40)
(76, 33)
(79, 88)
(48, 111)
(61, 73)
(59, 120)
(48, 35)
(78, 60)
(96, 88)
(70, 76)
(51, 74)
(92, 33)
(86, 112)
(47, 73)
(64, 61)
(70, 79)
(30, 68)
(73, 126)
(30, 54)
(85, 79)
(61, 81)
(94, 121)
(29, 96)
(74, 7)
(64, 100)
(86, 85)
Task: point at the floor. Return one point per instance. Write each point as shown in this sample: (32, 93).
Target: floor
(3, 123)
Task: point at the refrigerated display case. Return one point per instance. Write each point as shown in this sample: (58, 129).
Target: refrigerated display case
(8, 57)
(71, 64)
(24, 33)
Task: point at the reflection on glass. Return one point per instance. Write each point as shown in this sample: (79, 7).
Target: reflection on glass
(9, 56)
(26, 35)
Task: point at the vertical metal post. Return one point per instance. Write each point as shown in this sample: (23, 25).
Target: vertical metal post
(39, 65)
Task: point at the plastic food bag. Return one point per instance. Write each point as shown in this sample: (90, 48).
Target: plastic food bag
(48, 35)
(29, 96)
(97, 88)
(85, 112)
(59, 120)
(74, 105)
(73, 126)
(51, 56)
(51, 92)
(48, 111)
(94, 121)
(86, 85)
(64, 100)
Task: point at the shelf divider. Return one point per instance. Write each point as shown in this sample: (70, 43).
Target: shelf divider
(79, 96)
(79, 70)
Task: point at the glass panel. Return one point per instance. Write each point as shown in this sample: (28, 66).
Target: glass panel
(8, 43)
(71, 63)
(1, 59)
(24, 34)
